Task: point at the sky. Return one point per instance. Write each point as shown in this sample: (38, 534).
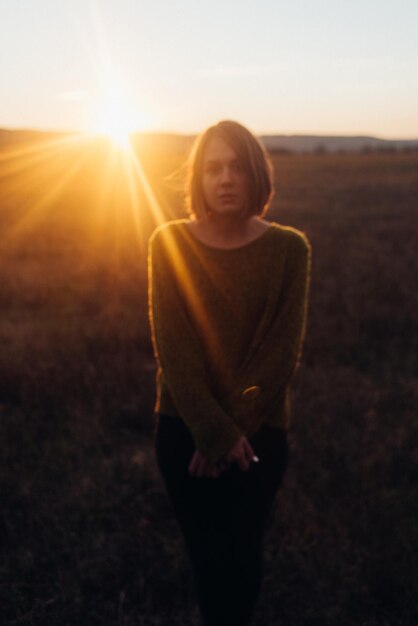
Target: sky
(331, 67)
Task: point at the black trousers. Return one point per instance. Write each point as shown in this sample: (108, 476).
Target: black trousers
(223, 519)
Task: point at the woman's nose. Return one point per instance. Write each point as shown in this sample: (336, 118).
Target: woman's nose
(226, 176)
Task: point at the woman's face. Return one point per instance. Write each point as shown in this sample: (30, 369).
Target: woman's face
(224, 182)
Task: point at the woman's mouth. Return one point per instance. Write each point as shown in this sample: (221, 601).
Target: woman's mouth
(227, 197)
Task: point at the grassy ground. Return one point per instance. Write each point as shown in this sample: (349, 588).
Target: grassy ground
(88, 533)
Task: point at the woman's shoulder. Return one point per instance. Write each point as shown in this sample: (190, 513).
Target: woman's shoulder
(169, 231)
(290, 236)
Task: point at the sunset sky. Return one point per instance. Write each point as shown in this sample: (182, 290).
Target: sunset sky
(302, 67)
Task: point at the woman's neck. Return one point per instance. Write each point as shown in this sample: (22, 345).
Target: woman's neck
(227, 231)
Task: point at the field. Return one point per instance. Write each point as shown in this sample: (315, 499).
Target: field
(89, 536)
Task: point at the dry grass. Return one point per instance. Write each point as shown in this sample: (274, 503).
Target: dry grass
(89, 537)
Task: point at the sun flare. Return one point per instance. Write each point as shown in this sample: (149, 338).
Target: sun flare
(114, 119)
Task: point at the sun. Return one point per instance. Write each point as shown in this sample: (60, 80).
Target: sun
(114, 119)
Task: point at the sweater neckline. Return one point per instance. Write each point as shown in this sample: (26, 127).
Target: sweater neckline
(216, 249)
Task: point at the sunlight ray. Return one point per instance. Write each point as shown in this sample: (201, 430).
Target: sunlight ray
(41, 208)
(102, 206)
(175, 253)
(154, 205)
(134, 203)
(42, 146)
(22, 172)
(23, 183)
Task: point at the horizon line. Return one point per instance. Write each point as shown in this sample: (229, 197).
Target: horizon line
(360, 135)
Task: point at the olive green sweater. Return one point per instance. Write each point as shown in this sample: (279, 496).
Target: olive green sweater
(227, 329)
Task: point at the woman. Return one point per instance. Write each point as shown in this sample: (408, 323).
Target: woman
(228, 293)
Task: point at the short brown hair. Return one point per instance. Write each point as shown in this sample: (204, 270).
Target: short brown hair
(255, 161)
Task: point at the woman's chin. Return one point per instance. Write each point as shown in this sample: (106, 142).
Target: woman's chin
(225, 210)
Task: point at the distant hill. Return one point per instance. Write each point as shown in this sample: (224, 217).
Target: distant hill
(273, 143)
(319, 143)
(292, 143)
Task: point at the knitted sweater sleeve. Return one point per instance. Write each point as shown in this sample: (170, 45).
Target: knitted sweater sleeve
(272, 362)
(181, 359)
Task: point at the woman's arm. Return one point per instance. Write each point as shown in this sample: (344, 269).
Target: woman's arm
(181, 358)
(272, 364)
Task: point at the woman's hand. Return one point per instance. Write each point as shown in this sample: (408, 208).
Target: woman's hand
(199, 466)
(242, 454)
